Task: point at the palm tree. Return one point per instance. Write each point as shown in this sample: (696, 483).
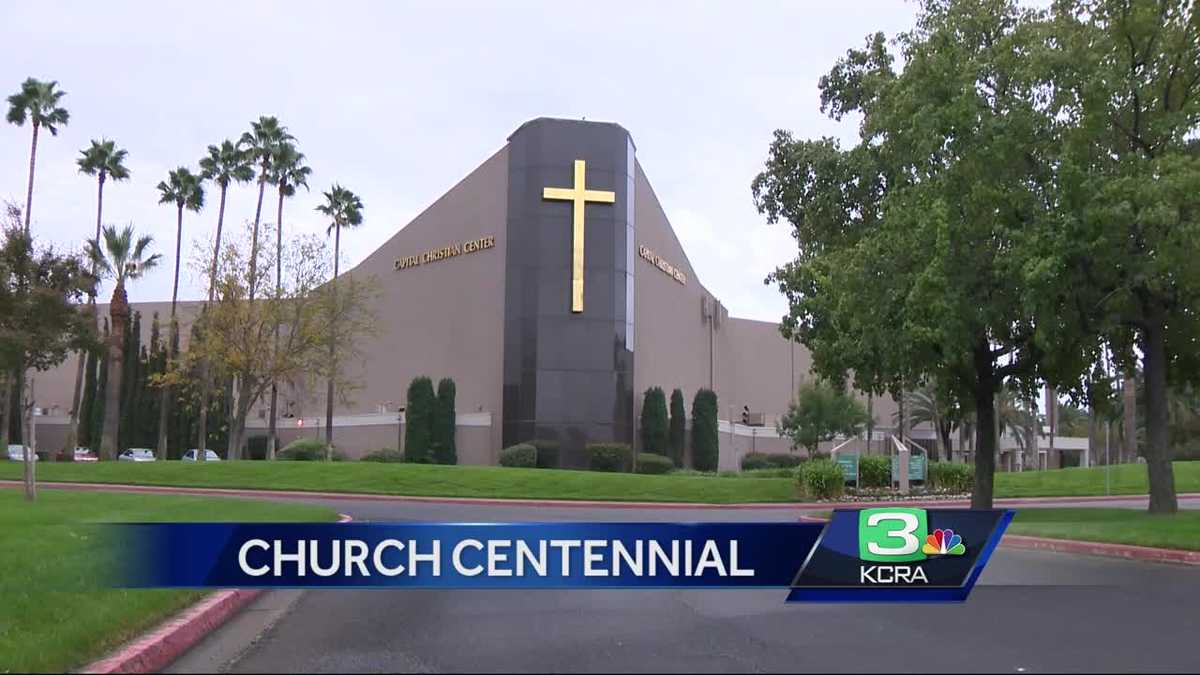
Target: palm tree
(927, 405)
(289, 172)
(262, 144)
(37, 102)
(123, 257)
(182, 188)
(103, 160)
(224, 164)
(344, 209)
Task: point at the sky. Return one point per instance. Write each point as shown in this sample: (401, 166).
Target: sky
(398, 101)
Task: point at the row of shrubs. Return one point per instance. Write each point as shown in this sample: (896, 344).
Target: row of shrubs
(609, 457)
(823, 478)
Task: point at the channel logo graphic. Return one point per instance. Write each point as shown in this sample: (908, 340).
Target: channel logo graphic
(944, 542)
(900, 554)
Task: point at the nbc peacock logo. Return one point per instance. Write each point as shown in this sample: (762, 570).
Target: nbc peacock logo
(943, 542)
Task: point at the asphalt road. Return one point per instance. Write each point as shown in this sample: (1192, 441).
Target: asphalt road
(1031, 612)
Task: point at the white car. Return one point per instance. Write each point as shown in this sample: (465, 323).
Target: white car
(136, 455)
(209, 456)
(16, 453)
(85, 455)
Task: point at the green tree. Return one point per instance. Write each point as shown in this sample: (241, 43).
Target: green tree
(104, 160)
(185, 190)
(654, 421)
(928, 405)
(223, 165)
(678, 432)
(418, 421)
(343, 209)
(39, 322)
(288, 173)
(444, 423)
(1126, 79)
(705, 444)
(915, 243)
(37, 103)
(821, 412)
(125, 259)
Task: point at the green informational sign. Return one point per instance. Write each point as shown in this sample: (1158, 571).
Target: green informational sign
(849, 464)
(916, 468)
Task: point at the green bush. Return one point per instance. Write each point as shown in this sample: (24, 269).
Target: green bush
(307, 450)
(677, 433)
(770, 460)
(442, 424)
(705, 447)
(384, 455)
(874, 471)
(654, 464)
(654, 421)
(821, 479)
(256, 447)
(520, 455)
(418, 421)
(609, 456)
(951, 476)
(547, 453)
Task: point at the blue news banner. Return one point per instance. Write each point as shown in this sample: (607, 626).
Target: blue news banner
(892, 554)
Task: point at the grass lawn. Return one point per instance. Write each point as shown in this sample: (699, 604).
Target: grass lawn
(425, 480)
(44, 549)
(1114, 526)
(1127, 479)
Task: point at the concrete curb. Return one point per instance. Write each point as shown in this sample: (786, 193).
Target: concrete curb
(155, 650)
(1096, 548)
(564, 503)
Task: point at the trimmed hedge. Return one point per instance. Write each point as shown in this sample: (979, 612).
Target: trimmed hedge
(609, 456)
(521, 455)
(384, 455)
(653, 464)
(677, 433)
(547, 453)
(952, 476)
(705, 447)
(442, 424)
(654, 422)
(821, 479)
(874, 471)
(418, 421)
(770, 460)
(307, 450)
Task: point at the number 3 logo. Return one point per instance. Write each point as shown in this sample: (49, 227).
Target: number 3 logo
(891, 534)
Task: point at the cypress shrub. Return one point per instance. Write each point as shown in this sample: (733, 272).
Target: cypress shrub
(653, 464)
(521, 455)
(418, 418)
(609, 457)
(303, 450)
(705, 448)
(874, 471)
(547, 454)
(384, 456)
(654, 422)
(951, 476)
(677, 435)
(443, 424)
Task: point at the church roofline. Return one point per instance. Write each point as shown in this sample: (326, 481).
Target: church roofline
(538, 120)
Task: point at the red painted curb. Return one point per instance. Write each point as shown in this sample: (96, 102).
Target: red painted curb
(565, 503)
(155, 650)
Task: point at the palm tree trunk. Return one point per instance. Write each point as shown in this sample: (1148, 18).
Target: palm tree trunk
(29, 188)
(337, 246)
(164, 398)
(262, 186)
(205, 373)
(25, 409)
(68, 452)
(272, 431)
(119, 311)
(5, 392)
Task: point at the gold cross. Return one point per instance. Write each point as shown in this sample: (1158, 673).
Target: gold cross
(579, 196)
